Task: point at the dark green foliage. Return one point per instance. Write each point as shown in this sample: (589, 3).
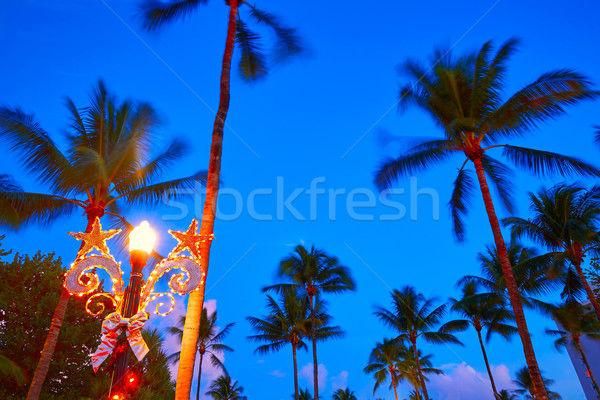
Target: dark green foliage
(30, 288)
(223, 388)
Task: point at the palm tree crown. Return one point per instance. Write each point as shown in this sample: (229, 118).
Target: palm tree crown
(254, 63)
(525, 385)
(223, 388)
(344, 394)
(108, 160)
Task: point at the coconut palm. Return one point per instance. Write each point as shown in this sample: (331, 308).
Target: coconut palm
(506, 395)
(382, 363)
(223, 388)
(406, 368)
(345, 394)
(210, 340)
(564, 219)
(303, 395)
(464, 97)
(315, 273)
(107, 164)
(288, 322)
(413, 317)
(575, 322)
(481, 311)
(253, 64)
(526, 387)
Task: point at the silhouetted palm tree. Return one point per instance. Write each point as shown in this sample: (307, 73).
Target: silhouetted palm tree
(108, 163)
(304, 395)
(253, 64)
(413, 317)
(526, 388)
(210, 340)
(464, 97)
(575, 322)
(316, 273)
(506, 395)
(382, 363)
(566, 220)
(344, 394)
(481, 311)
(407, 369)
(223, 388)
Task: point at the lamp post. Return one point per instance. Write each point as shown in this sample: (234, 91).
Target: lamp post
(141, 243)
(130, 304)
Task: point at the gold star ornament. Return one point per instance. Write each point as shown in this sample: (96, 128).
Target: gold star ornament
(96, 238)
(189, 240)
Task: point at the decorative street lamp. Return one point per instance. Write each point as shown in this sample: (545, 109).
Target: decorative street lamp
(130, 304)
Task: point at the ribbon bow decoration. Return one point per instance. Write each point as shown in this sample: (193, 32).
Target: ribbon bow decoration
(111, 328)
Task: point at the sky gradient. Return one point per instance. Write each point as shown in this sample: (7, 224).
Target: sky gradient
(322, 120)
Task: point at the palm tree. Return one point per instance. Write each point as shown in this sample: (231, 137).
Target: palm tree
(315, 272)
(526, 387)
(464, 97)
(535, 275)
(108, 163)
(407, 368)
(481, 311)
(304, 395)
(382, 363)
(346, 394)
(253, 64)
(224, 389)
(506, 395)
(564, 219)
(413, 316)
(574, 323)
(210, 340)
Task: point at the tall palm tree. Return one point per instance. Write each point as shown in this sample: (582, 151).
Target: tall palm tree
(382, 363)
(253, 64)
(526, 387)
(108, 163)
(463, 95)
(288, 322)
(407, 369)
(481, 311)
(224, 389)
(575, 322)
(566, 220)
(413, 317)
(344, 394)
(315, 273)
(210, 340)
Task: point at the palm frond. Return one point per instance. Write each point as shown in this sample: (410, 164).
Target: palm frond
(460, 202)
(502, 179)
(545, 163)
(288, 43)
(155, 13)
(18, 208)
(170, 189)
(253, 63)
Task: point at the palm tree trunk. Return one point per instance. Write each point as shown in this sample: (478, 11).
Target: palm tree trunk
(588, 289)
(313, 333)
(295, 372)
(421, 377)
(52, 339)
(589, 370)
(199, 376)
(393, 383)
(487, 364)
(196, 299)
(511, 285)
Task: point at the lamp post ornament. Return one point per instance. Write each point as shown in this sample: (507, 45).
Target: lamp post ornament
(130, 304)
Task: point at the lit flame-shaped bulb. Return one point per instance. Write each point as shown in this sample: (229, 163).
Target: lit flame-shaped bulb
(142, 238)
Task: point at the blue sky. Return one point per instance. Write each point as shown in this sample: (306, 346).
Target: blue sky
(317, 118)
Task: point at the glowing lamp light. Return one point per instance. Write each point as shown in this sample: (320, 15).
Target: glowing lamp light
(142, 238)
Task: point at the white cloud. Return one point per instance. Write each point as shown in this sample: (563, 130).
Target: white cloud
(463, 382)
(306, 373)
(277, 373)
(340, 381)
